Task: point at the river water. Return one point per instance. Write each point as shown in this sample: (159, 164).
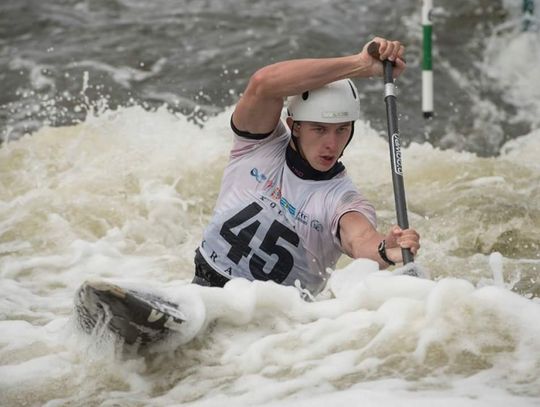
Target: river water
(114, 117)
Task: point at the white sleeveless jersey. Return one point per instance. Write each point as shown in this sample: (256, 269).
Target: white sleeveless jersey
(269, 224)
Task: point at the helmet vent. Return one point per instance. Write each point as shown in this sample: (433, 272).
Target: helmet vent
(352, 90)
(305, 95)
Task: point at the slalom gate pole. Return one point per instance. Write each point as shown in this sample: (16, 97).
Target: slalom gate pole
(395, 147)
(427, 69)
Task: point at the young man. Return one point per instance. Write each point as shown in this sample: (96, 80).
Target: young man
(287, 209)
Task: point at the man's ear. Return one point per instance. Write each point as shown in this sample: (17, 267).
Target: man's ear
(290, 122)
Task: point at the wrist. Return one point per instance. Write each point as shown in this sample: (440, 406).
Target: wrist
(358, 66)
(381, 249)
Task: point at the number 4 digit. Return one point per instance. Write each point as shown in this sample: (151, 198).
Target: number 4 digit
(240, 242)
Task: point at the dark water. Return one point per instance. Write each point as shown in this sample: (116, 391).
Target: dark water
(197, 55)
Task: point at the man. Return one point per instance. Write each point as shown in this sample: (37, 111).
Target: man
(287, 209)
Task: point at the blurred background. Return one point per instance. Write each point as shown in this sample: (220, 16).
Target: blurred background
(60, 59)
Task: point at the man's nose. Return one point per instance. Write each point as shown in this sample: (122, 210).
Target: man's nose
(332, 141)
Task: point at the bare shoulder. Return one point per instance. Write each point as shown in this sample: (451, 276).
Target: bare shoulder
(258, 111)
(354, 221)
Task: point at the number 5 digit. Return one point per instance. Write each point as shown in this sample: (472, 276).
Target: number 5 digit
(285, 261)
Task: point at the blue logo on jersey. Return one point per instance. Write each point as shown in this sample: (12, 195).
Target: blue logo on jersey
(260, 177)
(286, 205)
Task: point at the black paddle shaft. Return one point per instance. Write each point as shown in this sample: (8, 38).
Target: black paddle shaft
(394, 143)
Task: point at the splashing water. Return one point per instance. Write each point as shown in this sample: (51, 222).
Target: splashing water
(125, 195)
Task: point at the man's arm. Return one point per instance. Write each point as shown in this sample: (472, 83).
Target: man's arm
(259, 109)
(360, 239)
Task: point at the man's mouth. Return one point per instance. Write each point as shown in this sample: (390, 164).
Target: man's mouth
(327, 159)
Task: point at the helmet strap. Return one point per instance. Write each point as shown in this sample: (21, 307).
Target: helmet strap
(296, 142)
(350, 138)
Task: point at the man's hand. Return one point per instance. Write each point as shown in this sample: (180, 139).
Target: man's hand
(391, 50)
(397, 239)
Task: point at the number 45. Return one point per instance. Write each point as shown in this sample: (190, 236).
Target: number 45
(240, 244)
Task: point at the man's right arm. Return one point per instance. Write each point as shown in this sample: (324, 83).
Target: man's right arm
(259, 109)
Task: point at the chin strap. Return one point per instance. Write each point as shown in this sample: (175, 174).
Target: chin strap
(350, 138)
(294, 139)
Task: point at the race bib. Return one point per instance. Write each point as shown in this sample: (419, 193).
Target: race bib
(256, 241)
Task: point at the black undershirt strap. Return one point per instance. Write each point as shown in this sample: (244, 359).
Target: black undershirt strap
(247, 134)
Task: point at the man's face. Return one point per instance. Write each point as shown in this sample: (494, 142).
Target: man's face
(322, 143)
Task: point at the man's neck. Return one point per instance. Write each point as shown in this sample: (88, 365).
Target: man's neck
(302, 169)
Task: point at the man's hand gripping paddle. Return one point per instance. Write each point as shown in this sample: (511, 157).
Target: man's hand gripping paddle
(395, 153)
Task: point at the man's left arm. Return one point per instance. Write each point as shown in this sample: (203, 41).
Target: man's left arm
(359, 239)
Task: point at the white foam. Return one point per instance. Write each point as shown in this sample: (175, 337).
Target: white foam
(125, 195)
(124, 75)
(495, 262)
(506, 61)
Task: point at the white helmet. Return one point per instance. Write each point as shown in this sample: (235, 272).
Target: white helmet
(335, 102)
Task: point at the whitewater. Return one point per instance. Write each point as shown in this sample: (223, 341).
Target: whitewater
(123, 195)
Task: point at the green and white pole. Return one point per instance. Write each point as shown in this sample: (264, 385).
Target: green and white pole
(427, 71)
(528, 13)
